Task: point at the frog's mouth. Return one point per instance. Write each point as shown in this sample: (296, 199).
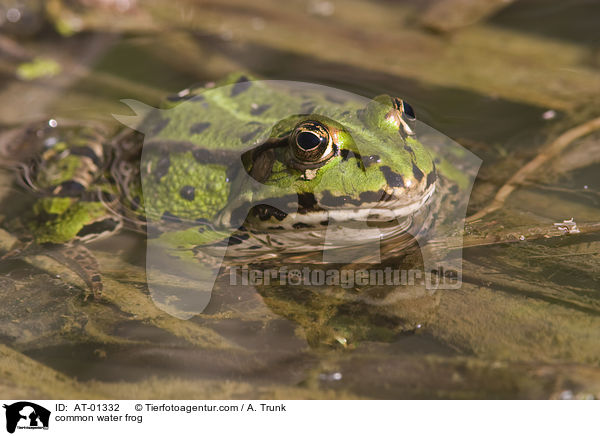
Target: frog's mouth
(318, 211)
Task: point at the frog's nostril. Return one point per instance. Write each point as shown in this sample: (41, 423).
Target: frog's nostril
(308, 140)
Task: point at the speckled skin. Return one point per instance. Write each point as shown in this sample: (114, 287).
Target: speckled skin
(221, 157)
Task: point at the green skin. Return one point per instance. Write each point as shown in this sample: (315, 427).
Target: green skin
(196, 142)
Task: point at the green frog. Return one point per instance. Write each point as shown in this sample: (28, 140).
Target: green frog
(263, 168)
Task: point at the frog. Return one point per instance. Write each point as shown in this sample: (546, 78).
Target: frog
(244, 164)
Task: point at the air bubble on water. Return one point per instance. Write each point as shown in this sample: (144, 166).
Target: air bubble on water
(585, 186)
(13, 15)
(52, 123)
(334, 376)
(548, 115)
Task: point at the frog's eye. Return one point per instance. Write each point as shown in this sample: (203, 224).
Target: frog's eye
(311, 142)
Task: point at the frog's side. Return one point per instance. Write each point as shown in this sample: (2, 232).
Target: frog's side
(191, 189)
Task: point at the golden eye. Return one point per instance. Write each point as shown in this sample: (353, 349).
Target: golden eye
(311, 142)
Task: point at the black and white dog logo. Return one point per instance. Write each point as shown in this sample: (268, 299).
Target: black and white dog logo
(26, 415)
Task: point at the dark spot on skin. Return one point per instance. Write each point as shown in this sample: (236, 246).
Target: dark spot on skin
(417, 172)
(88, 152)
(259, 109)
(265, 212)
(361, 161)
(370, 160)
(162, 168)
(96, 278)
(339, 200)
(262, 165)
(197, 98)
(201, 229)
(306, 201)
(345, 113)
(107, 225)
(453, 189)
(431, 177)
(276, 228)
(188, 193)
(157, 126)
(324, 223)
(248, 136)
(240, 86)
(392, 178)
(255, 247)
(71, 188)
(223, 243)
(301, 226)
(199, 128)
(410, 150)
(347, 154)
(373, 196)
(169, 217)
(237, 239)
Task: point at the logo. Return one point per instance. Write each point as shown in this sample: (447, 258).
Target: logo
(26, 415)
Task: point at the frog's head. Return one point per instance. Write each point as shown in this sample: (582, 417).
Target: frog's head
(362, 164)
